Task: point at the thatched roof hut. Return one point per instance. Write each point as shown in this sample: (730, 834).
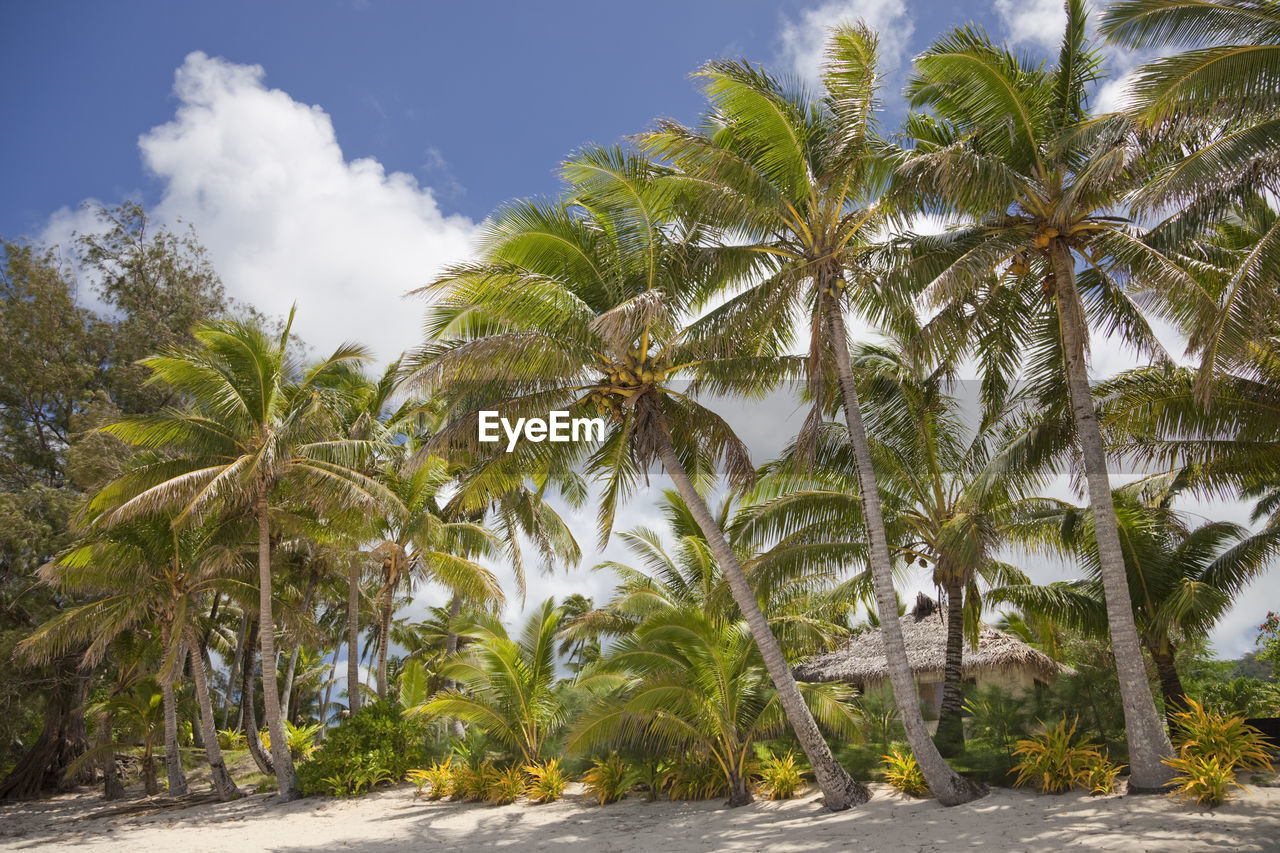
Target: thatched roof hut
(1000, 657)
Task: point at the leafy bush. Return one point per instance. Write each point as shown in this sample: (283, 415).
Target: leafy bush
(697, 779)
(472, 783)
(506, 786)
(902, 771)
(653, 775)
(1227, 738)
(301, 739)
(231, 739)
(436, 780)
(1054, 761)
(609, 779)
(1211, 748)
(264, 735)
(547, 781)
(1101, 777)
(780, 777)
(371, 747)
(1205, 779)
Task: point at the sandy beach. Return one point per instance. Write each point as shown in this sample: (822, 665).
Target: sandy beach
(397, 819)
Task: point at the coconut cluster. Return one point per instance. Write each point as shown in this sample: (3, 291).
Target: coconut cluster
(625, 379)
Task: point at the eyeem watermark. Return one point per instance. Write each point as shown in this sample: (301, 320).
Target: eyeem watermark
(557, 427)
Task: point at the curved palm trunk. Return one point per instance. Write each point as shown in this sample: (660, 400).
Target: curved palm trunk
(1175, 697)
(248, 713)
(353, 639)
(112, 787)
(286, 693)
(222, 781)
(948, 786)
(839, 790)
(450, 649)
(950, 736)
(172, 756)
(1148, 741)
(286, 776)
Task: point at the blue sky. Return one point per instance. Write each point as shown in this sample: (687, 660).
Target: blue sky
(336, 154)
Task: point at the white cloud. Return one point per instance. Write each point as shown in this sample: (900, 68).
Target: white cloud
(804, 41)
(1033, 23)
(287, 218)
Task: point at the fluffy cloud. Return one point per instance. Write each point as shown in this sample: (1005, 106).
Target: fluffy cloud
(287, 218)
(803, 41)
(1034, 23)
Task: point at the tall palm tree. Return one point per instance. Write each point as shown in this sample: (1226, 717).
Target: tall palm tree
(143, 572)
(1183, 579)
(253, 421)
(419, 543)
(800, 180)
(949, 489)
(1011, 148)
(1215, 110)
(510, 683)
(580, 305)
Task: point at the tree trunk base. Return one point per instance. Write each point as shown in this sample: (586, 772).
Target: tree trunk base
(855, 794)
(961, 790)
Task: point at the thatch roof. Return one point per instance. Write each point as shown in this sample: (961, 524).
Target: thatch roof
(862, 659)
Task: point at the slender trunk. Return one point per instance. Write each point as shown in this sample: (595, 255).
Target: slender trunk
(172, 756)
(384, 628)
(286, 776)
(233, 675)
(353, 639)
(112, 788)
(1175, 697)
(328, 689)
(451, 649)
(950, 736)
(286, 695)
(1148, 741)
(222, 781)
(949, 787)
(248, 713)
(150, 784)
(839, 790)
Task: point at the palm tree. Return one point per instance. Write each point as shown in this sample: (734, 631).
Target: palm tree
(690, 681)
(253, 422)
(510, 683)
(419, 543)
(578, 306)
(145, 572)
(948, 490)
(800, 181)
(1011, 148)
(1215, 109)
(1182, 579)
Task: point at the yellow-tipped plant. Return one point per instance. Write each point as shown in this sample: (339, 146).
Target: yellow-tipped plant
(547, 781)
(902, 771)
(780, 778)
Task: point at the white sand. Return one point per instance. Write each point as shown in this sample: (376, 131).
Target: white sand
(395, 820)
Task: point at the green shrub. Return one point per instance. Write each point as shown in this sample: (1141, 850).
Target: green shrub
(609, 779)
(374, 746)
(902, 771)
(653, 775)
(1101, 777)
(472, 783)
(1205, 779)
(1054, 761)
(301, 739)
(697, 779)
(780, 777)
(547, 781)
(231, 739)
(436, 780)
(506, 786)
(1225, 737)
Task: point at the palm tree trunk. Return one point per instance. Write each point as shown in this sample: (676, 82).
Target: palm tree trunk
(451, 649)
(248, 713)
(739, 791)
(286, 693)
(949, 787)
(112, 788)
(1148, 741)
(328, 689)
(384, 631)
(222, 781)
(839, 790)
(233, 676)
(172, 756)
(1175, 697)
(353, 639)
(950, 736)
(286, 776)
